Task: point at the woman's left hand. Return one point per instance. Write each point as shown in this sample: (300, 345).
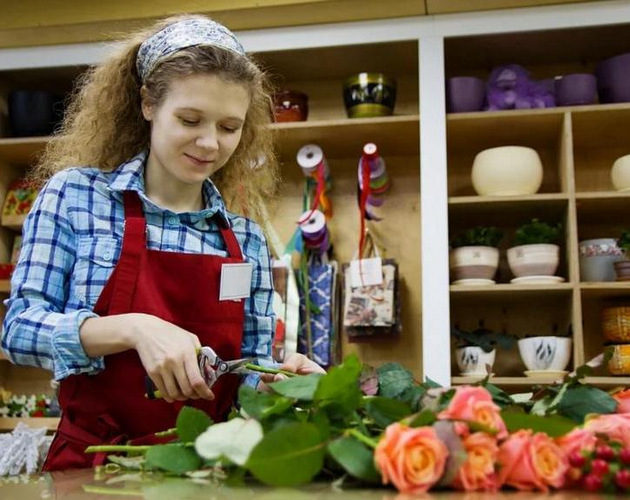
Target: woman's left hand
(295, 363)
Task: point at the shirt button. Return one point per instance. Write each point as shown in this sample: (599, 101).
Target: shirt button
(172, 220)
(107, 255)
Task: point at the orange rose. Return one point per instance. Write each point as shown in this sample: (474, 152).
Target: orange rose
(532, 461)
(576, 441)
(616, 426)
(477, 472)
(623, 401)
(475, 404)
(413, 459)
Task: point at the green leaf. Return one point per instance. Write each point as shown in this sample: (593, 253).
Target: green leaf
(340, 386)
(579, 401)
(302, 387)
(354, 457)
(425, 417)
(288, 456)
(260, 405)
(234, 439)
(190, 423)
(393, 380)
(541, 406)
(413, 395)
(553, 425)
(384, 411)
(499, 396)
(172, 458)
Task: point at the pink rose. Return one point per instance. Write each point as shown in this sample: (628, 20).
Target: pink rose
(475, 404)
(623, 401)
(478, 471)
(413, 459)
(532, 461)
(576, 441)
(616, 426)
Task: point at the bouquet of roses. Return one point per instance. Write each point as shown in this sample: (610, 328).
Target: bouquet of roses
(379, 426)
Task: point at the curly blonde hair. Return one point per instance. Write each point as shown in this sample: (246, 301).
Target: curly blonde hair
(104, 126)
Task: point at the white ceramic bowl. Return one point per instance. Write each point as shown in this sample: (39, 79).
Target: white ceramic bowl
(478, 262)
(472, 360)
(507, 171)
(620, 173)
(539, 259)
(545, 353)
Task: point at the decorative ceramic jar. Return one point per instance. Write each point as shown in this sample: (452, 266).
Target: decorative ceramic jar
(507, 171)
(597, 257)
(369, 94)
(616, 324)
(620, 173)
(619, 363)
(472, 360)
(290, 106)
(538, 259)
(473, 264)
(613, 76)
(545, 354)
(575, 89)
(465, 93)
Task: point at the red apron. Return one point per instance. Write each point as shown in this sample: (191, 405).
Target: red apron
(182, 288)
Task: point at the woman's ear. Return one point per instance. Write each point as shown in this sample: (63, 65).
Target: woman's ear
(145, 104)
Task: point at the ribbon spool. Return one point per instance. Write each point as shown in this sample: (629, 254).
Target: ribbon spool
(311, 158)
(314, 231)
(379, 180)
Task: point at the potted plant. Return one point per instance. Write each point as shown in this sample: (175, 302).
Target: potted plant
(545, 355)
(476, 349)
(474, 255)
(534, 256)
(622, 267)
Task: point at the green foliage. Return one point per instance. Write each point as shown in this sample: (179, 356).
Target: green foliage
(393, 380)
(385, 411)
(174, 458)
(190, 423)
(536, 231)
(260, 405)
(487, 236)
(580, 401)
(355, 458)
(483, 338)
(554, 426)
(624, 242)
(298, 387)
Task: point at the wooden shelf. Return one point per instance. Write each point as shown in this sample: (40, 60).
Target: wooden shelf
(500, 290)
(340, 138)
(14, 222)
(9, 423)
(605, 290)
(22, 150)
(5, 286)
(529, 381)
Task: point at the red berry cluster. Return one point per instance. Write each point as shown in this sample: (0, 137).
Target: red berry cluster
(607, 468)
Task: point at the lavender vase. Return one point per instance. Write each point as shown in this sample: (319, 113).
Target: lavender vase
(613, 79)
(575, 89)
(465, 93)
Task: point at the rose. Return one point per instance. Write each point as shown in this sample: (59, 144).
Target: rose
(532, 461)
(616, 426)
(475, 404)
(477, 473)
(576, 441)
(623, 401)
(413, 459)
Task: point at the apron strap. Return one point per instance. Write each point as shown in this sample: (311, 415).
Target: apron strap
(134, 245)
(231, 243)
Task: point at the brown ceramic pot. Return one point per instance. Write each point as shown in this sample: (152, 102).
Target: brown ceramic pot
(622, 269)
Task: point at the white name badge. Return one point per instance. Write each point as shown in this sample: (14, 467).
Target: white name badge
(369, 272)
(236, 281)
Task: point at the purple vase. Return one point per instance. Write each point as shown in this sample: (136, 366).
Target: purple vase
(575, 89)
(465, 93)
(613, 79)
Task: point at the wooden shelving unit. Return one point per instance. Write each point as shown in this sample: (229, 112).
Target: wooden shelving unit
(9, 423)
(577, 146)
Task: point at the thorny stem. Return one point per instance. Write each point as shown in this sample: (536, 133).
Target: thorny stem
(264, 369)
(362, 437)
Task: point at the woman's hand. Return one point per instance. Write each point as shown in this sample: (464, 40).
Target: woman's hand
(295, 363)
(169, 356)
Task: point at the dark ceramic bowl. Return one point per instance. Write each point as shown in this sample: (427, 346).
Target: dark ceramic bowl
(369, 94)
(613, 79)
(290, 106)
(465, 93)
(575, 89)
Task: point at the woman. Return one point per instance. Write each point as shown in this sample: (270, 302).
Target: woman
(130, 259)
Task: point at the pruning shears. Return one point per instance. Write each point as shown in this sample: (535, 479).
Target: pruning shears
(211, 367)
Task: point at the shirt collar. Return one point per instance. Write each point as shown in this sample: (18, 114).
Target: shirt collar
(129, 176)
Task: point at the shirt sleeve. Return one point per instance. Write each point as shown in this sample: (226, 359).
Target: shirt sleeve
(37, 330)
(260, 320)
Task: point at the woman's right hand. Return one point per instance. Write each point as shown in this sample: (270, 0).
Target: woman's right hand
(169, 356)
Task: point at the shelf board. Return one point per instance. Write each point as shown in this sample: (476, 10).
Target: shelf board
(508, 200)
(21, 150)
(608, 381)
(605, 290)
(595, 207)
(5, 286)
(14, 222)
(395, 136)
(530, 381)
(501, 288)
(9, 423)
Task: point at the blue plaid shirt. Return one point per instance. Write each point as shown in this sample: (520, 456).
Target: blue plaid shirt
(72, 240)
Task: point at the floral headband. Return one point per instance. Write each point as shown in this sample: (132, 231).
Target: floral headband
(180, 35)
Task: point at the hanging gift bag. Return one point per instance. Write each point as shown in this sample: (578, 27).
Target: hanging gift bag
(371, 302)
